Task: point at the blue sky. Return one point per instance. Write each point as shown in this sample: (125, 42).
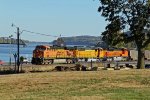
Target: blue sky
(52, 17)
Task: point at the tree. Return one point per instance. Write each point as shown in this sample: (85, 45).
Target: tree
(129, 15)
(21, 61)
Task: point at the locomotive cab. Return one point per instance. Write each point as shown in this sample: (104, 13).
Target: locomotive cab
(38, 54)
(39, 51)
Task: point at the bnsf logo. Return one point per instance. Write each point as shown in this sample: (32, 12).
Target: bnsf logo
(60, 53)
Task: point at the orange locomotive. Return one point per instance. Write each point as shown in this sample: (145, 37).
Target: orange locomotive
(88, 54)
(124, 53)
(47, 54)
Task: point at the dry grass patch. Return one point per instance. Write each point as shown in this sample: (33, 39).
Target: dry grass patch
(96, 85)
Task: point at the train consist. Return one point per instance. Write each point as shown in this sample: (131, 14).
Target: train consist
(47, 54)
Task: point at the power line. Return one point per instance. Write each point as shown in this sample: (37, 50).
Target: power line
(38, 33)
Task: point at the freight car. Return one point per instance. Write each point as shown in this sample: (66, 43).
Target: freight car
(133, 55)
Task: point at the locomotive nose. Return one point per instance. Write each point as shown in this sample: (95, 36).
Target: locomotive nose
(37, 53)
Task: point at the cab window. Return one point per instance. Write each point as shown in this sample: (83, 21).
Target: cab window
(40, 48)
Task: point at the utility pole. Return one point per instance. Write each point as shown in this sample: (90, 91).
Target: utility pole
(18, 52)
(10, 38)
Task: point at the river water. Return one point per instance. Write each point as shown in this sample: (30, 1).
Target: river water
(7, 51)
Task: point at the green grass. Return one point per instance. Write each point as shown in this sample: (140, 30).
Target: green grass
(97, 85)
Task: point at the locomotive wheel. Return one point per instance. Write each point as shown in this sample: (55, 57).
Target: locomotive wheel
(75, 60)
(86, 59)
(51, 61)
(69, 61)
(43, 62)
